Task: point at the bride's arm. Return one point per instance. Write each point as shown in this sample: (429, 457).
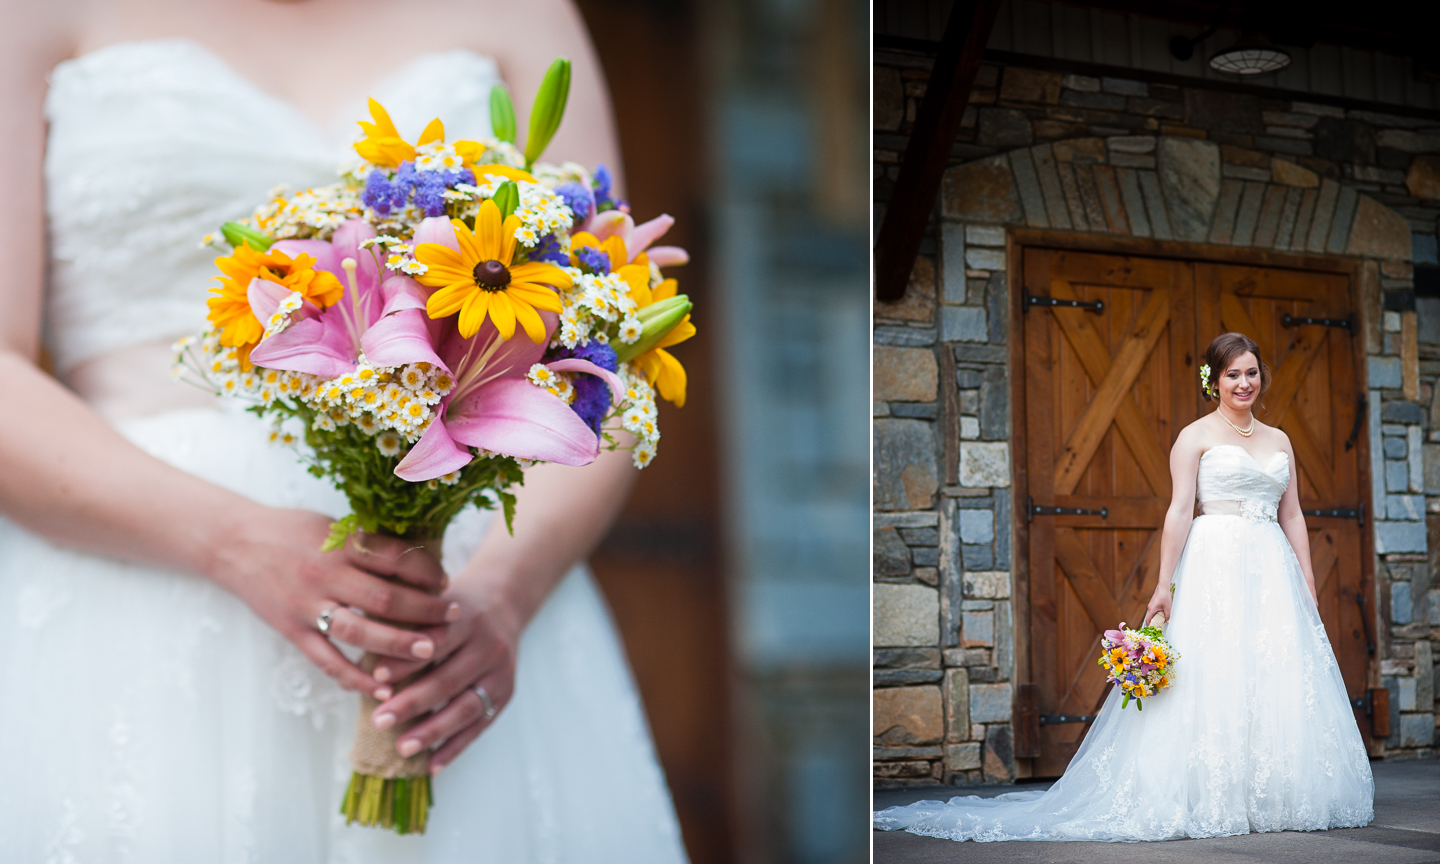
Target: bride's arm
(68, 476)
(1292, 521)
(1184, 464)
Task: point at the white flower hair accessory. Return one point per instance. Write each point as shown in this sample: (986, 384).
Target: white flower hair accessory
(1205, 379)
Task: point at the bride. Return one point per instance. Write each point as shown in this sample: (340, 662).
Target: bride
(1256, 734)
(169, 694)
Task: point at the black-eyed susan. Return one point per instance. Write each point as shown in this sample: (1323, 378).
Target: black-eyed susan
(480, 279)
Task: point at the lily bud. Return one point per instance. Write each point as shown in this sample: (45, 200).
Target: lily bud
(507, 198)
(502, 114)
(236, 234)
(656, 322)
(549, 107)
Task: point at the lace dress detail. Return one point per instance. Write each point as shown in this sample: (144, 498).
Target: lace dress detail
(165, 721)
(1257, 733)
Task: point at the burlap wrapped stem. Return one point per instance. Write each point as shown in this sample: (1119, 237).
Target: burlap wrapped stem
(388, 789)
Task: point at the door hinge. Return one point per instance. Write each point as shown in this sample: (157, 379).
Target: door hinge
(1357, 513)
(1347, 324)
(1032, 510)
(1096, 306)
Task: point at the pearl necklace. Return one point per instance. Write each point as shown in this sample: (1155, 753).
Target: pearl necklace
(1244, 432)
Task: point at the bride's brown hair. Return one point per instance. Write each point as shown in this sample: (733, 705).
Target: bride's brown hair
(1222, 352)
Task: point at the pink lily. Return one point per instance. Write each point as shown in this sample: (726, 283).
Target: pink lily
(637, 237)
(328, 342)
(492, 406)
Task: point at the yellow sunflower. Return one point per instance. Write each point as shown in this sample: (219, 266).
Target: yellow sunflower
(481, 279)
(230, 302)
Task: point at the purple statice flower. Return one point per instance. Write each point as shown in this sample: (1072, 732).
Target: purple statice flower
(592, 394)
(580, 200)
(604, 187)
(548, 250)
(593, 259)
(430, 193)
(382, 194)
(602, 183)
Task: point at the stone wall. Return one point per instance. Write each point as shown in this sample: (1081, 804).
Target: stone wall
(1126, 157)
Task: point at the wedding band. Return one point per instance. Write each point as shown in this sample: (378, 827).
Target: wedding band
(485, 697)
(322, 621)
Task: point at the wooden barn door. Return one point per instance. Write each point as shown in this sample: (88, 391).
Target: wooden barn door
(1112, 346)
(1296, 319)
(1105, 338)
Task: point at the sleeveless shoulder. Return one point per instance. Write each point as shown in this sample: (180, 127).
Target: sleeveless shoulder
(152, 145)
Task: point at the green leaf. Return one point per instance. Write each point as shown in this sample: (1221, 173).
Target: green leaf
(236, 234)
(502, 114)
(507, 504)
(340, 531)
(1139, 706)
(1125, 701)
(507, 198)
(549, 108)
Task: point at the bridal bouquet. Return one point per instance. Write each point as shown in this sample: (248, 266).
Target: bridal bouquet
(1140, 661)
(445, 315)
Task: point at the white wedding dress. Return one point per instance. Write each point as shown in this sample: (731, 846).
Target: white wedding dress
(150, 716)
(1256, 734)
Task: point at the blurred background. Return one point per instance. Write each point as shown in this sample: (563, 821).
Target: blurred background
(739, 572)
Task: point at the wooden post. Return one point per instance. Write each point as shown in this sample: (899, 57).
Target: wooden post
(936, 125)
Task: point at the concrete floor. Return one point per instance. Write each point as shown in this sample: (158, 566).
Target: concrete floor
(1406, 830)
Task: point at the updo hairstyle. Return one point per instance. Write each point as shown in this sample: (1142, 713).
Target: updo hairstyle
(1222, 352)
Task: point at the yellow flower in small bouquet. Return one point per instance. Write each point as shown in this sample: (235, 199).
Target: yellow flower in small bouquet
(1140, 661)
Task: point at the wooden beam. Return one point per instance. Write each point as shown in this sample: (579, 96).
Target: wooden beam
(936, 124)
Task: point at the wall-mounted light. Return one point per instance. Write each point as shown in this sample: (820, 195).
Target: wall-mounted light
(1252, 55)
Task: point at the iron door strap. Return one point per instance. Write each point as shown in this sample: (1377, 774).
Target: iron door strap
(1096, 306)
(1365, 619)
(1359, 419)
(1346, 324)
(1357, 513)
(1056, 719)
(1032, 510)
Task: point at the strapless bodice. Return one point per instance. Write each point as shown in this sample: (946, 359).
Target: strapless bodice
(152, 145)
(1228, 473)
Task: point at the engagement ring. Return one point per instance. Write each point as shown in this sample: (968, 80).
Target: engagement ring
(485, 697)
(322, 621)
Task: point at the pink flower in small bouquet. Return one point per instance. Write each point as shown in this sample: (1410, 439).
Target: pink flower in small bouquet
(1140, 661)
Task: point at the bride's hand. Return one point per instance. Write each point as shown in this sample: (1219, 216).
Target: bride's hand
(477, 650)
(273, 562)
(1160, 602)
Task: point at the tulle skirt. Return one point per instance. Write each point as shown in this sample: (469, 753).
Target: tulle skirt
(151, 717)
(1256, 734)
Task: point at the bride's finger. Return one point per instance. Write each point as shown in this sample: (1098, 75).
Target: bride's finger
(330, 661)
(393, 556)
(454, 745)
(433, 689)
(448, 640)
(376, 596)
(378, 638)
(464, 710)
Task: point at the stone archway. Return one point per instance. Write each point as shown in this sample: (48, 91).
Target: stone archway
(1175, 188)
